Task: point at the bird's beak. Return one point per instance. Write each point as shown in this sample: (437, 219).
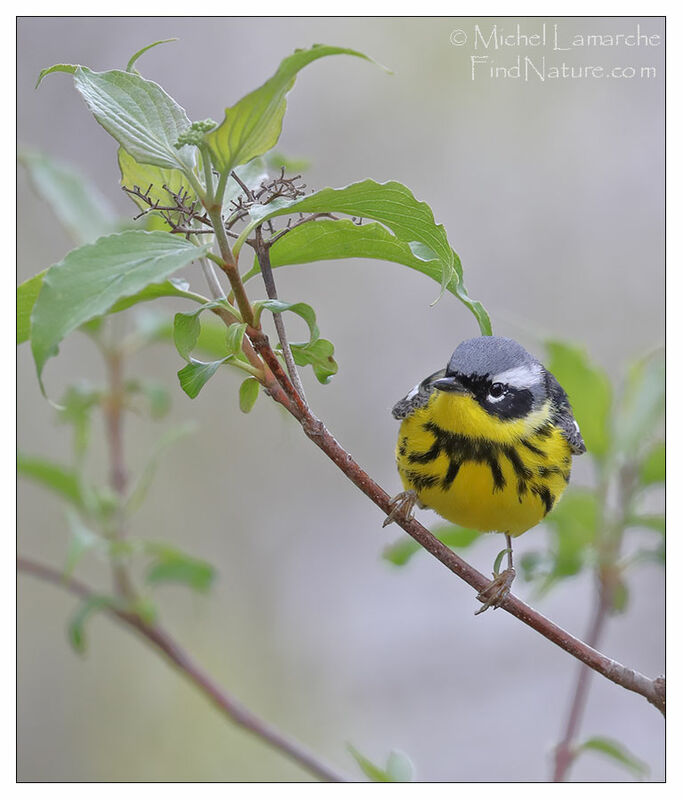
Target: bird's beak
(450, 384)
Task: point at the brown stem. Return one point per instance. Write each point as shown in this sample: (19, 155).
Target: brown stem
(263, 255)
(608, 578)
(564, 753)
(228, 264)
(293, 401)
(180, 659)
(652, 690)
(113, 410)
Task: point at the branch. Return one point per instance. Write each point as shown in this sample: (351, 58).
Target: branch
(112, 409)
(302, 221)
(276, 379)
(262, 249)
(262, 253)
(609, 546)
(165, 644)
(652, 689)
(564, 752)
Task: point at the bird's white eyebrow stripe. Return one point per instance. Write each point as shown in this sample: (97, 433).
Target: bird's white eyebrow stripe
(520, 377)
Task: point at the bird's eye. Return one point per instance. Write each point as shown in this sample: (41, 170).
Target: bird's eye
(496, 391)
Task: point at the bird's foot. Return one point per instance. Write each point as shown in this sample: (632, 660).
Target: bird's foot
(499, 588)
(401, 507)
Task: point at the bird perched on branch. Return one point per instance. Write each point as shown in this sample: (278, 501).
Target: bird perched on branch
(487, 443)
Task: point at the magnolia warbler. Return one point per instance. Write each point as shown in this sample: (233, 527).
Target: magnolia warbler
(487, 443)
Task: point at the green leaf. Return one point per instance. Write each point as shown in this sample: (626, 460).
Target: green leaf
(211, 339)
(327, 240)
(319, 354)
(92, 278)
(186, 329)
(69, 68)
(253, 125)
(394, 206)
(172, 566)
(399, 768)
(641, 410)
(234, 337)
(452, 536)
(193, 376)
(27, 294)
(589, 393)
(52, 475)
(653, 468)
(617, 752)
(574, 524)
(130, 65)
(278, 307)
(139, 114)
(375, 773)
(175, 287)
(187, 334)
(76, 627)
(249, 390)
(77, 203)
(316, 352)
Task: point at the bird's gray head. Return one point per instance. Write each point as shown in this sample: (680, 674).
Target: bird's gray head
(499, 373)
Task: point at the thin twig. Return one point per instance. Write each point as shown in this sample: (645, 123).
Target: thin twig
(180, 659)
(243, 186)
(564, 753)
(113, 410)
(302, 221)
(212, 279)
(263, 255)
(607, 580)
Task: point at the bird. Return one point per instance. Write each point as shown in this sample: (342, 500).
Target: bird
(487, 443)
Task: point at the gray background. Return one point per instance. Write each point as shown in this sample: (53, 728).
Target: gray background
(552, 194)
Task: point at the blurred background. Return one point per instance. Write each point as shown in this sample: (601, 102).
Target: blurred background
(552, 195)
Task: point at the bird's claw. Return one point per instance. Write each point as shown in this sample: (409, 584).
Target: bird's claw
(401, 507)
(499, 588)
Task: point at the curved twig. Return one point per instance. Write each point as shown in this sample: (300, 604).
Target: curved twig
(180, 659)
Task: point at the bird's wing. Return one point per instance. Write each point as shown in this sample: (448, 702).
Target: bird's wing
(564, 416)
(418, 397)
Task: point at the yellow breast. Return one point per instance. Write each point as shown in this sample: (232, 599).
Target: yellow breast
(479, 471)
